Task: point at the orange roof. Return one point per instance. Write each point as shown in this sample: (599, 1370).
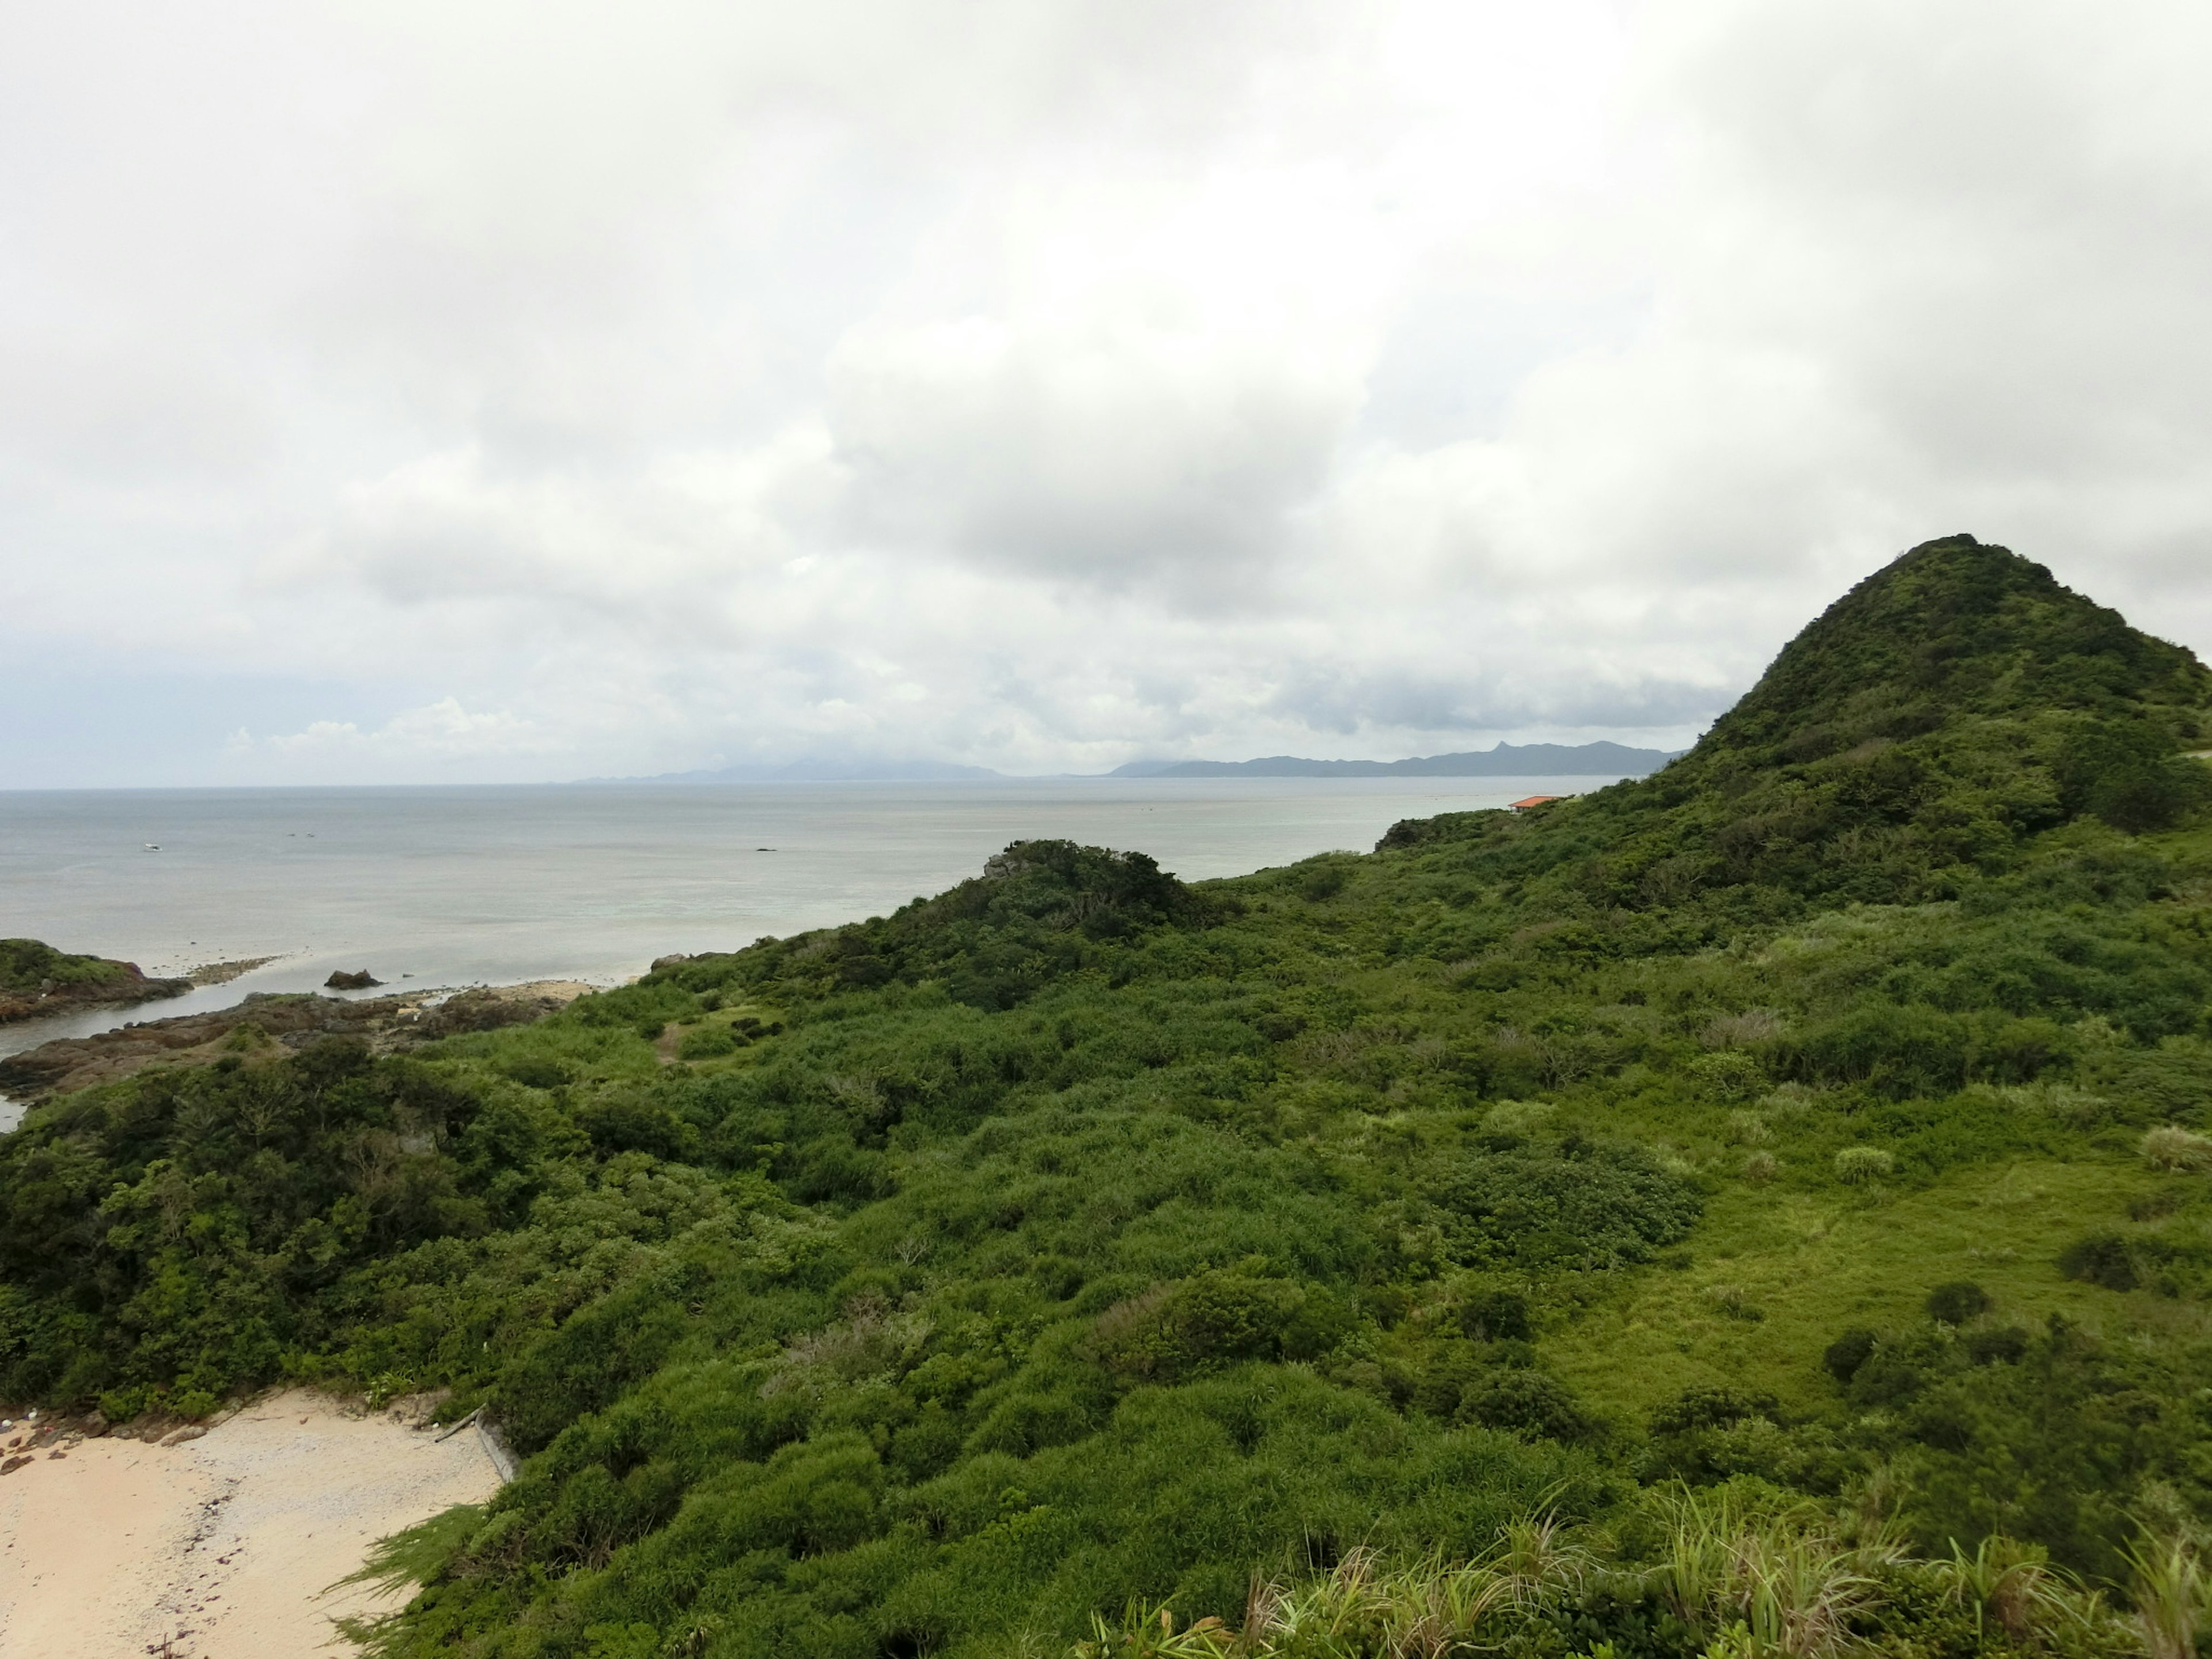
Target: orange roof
(1534, 800)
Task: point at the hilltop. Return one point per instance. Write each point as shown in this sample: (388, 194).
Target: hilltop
(1918, 735)
(1816, 1126)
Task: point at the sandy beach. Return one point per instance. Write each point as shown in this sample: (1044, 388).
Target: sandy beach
(225, 1546)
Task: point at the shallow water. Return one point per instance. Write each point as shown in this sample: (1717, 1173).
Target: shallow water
(451, 886)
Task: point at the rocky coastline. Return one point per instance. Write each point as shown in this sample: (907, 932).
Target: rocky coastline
(37, 981)
(266, 1026)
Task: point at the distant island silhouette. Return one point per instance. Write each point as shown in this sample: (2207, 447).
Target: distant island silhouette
(1533, 760)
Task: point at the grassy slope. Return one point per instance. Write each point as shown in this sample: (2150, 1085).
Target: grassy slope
(1812, 1268)
(1078, 1235)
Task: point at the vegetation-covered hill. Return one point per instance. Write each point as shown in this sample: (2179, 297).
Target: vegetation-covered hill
(36, 979)
(1773, 1171)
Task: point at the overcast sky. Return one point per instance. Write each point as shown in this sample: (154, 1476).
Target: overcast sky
(453, 389)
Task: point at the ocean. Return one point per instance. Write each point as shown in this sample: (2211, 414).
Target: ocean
(434, 887)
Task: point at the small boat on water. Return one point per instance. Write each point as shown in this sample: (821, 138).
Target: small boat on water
(152, 846)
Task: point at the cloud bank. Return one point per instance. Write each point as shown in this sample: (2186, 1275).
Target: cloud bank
(483, 391)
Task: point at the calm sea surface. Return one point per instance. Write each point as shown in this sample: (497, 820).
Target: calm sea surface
(492, 885)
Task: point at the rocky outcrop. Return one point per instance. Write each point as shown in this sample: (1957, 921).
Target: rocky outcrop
(222, 973)
(37, 981)
(266, 1026)
(342, 981)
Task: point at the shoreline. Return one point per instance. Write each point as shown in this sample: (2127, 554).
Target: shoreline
(226, 1542)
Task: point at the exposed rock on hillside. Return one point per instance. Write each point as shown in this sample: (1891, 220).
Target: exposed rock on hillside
(268, 1026)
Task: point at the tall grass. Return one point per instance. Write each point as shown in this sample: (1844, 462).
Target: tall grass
(2172, 1594)
(2013, 1586)
(1781, 1573)
(1747, 1578)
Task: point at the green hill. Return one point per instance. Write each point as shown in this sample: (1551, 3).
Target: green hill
(36, 980)
(1817, 1121)
(28, 966)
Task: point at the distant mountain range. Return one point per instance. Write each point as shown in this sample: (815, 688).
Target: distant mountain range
(1533, 760)
(1507, 760)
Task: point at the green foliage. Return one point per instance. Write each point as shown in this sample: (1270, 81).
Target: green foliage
(27, 964)
(1215, 1318)
(1078, 1235)
(1576, 1204)
(2172, 1147)
(2101, 1258)
(1957, 1301)
(1735, 1576)
(1844, 1355)
(2127, 774)
(1861, 1164)
(2053, 1435)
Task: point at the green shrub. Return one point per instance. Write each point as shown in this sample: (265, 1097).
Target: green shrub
(631, 1123)
(1518, 1119)
(1898, 1051)
(1748, 1129)
(1730, 1075)
(1216, 1318)
(2127, 774)
(1861, 1165)
(1999, 1344)
(122, 1404)
(1958, 1302)
(1844, 1355)
(1526, 1402)
(538, 1071)
(1322, 881)
(1733, 1302)
(1710, 1407)
(707, 1042)
(2177, 1149)
(1494, 1316)
(1576, 1204)
(2101, 1258)
(587, 1363)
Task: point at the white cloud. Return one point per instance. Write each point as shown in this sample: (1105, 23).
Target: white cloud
(440, 735)
(1036, 385)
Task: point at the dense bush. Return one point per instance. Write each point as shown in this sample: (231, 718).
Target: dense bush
(1957, 1301)
(1572, 1204)
(932, 1283)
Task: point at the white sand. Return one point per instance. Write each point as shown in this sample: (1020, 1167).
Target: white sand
(224, 1547)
